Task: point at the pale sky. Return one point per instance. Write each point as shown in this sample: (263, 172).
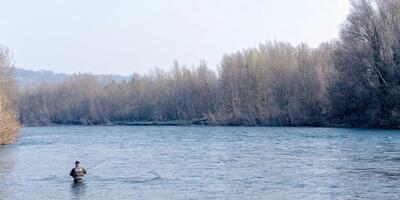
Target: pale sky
(127, 36)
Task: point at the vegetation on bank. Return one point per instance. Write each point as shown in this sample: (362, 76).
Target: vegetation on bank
(353, 81)
(8, 117)
(275, 84)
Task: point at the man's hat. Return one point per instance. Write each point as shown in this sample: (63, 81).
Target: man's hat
(77, 162)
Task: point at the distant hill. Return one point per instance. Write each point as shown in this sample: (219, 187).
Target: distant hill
(26, 77)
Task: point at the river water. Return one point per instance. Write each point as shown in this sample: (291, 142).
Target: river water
(202, 163)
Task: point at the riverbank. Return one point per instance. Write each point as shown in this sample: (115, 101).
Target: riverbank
(199, 122)
(120, 123)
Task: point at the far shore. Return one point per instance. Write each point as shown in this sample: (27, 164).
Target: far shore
(197, 123)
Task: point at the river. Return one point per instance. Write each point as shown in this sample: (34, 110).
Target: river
(196, 162)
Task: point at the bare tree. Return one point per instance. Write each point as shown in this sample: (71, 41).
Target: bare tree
(367, 60)
(8, 117)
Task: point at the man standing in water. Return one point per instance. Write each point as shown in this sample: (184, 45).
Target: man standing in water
(78, 173)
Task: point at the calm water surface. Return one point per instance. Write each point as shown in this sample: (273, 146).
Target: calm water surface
(202, 163)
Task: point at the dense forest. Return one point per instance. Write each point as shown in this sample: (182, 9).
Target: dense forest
(352, 81)
(8, 117)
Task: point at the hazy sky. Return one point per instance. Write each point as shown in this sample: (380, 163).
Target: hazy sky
(126, 36)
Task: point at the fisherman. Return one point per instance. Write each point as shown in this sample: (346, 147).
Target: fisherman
(78, 173)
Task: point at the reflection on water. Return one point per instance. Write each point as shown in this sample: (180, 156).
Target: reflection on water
(202, 163)
(78, 190)
(7, 161)
(7, 164)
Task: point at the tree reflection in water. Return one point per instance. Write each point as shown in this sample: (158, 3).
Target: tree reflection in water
(7, 165)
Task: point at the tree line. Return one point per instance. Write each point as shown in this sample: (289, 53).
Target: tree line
(351, 81)
(274, 84)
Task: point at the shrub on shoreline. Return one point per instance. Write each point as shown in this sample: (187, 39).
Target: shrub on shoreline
(9, 123)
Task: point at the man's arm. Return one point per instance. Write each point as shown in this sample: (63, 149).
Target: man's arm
(84, 170)
(72, 172)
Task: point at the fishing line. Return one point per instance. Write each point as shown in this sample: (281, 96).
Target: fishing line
(154, 173)
(98, 163)
(157, 176)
